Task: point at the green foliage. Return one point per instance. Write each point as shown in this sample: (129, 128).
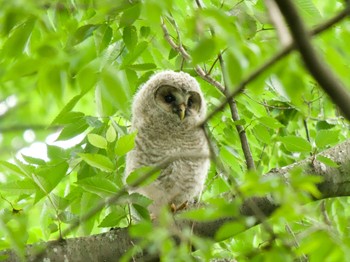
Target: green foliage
(68, 72)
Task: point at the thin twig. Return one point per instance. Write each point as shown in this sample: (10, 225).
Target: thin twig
(235, 116)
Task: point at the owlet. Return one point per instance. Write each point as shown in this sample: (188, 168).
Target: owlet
(166, 112)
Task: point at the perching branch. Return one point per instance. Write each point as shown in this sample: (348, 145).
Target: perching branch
(313, 61)
(111, 246)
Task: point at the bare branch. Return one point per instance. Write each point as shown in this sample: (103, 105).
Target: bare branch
(277, 20)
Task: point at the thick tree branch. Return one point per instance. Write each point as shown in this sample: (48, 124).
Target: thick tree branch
(313, 61)
(112, 245)
(274, 59)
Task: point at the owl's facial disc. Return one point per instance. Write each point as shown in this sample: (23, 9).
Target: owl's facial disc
(175, 100)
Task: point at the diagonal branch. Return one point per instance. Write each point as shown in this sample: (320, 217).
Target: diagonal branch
(318, 69)
(274, 59)
(111, 246)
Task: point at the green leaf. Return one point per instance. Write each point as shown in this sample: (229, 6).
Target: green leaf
(51, 176)
(97, 141)
(62, 117)
(203, 51)
(172, 53)
(111, 135)
(16, 43)
(130, 37)
(73, 129)
(12, 168)
(113, 218)
(18, 187)
(327, 138)
(125, 144)
(142, 67)
(327, 161)
(33, 160)
(141, 200)
(296, 144)
(99, 161)
(83, 33)
(131, 57)
(145, 31)
(57, 153)
(87, 78)
(130, 15)
(261, 133)
(270, 122)
(100, 186)
(229, 229)
(114, 92)
(232, 64)
(141, 211)
(141, 173)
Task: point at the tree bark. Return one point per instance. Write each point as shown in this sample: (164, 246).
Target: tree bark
(112, 245)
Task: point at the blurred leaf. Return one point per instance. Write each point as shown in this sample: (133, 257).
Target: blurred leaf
(270, 122)
(97, 141)
(56, 152)
(145, 31)
(98, 185)
(125, 144)
(131, 57)
(130, 37)
(327, 138)
(113, 218)
(15, 44)
(296, 144)
(141, 212)
(73, 129)
(18, 187)
(62, 116)
(51, 176)
(327, 161)
(204, 50)
(130, 15)
(99, 161)
(261, 133)
(229, 229)
(111, 135)
(12, 168)
(83, 33)
(87, 79)
(142, 67)
(33, 160)
(114, 91)
(141, 172)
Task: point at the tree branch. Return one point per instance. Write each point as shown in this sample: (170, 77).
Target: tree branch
(112, 245)
(274, 59)
(313, 62)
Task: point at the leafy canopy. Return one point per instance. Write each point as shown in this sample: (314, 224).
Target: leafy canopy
(68, 72)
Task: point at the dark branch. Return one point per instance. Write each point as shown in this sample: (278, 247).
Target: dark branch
(313, 61)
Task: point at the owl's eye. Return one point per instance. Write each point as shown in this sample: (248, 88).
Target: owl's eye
(190, 102)
(169, 98)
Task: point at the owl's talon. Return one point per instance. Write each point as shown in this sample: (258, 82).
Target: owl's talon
(183, 206)
(175, 208)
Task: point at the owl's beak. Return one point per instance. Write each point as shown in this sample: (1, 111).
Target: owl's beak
(181, 111)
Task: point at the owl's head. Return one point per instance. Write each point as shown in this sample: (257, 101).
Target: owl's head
(174, 97)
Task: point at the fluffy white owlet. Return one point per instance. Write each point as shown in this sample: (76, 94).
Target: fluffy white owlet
(166, 112)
